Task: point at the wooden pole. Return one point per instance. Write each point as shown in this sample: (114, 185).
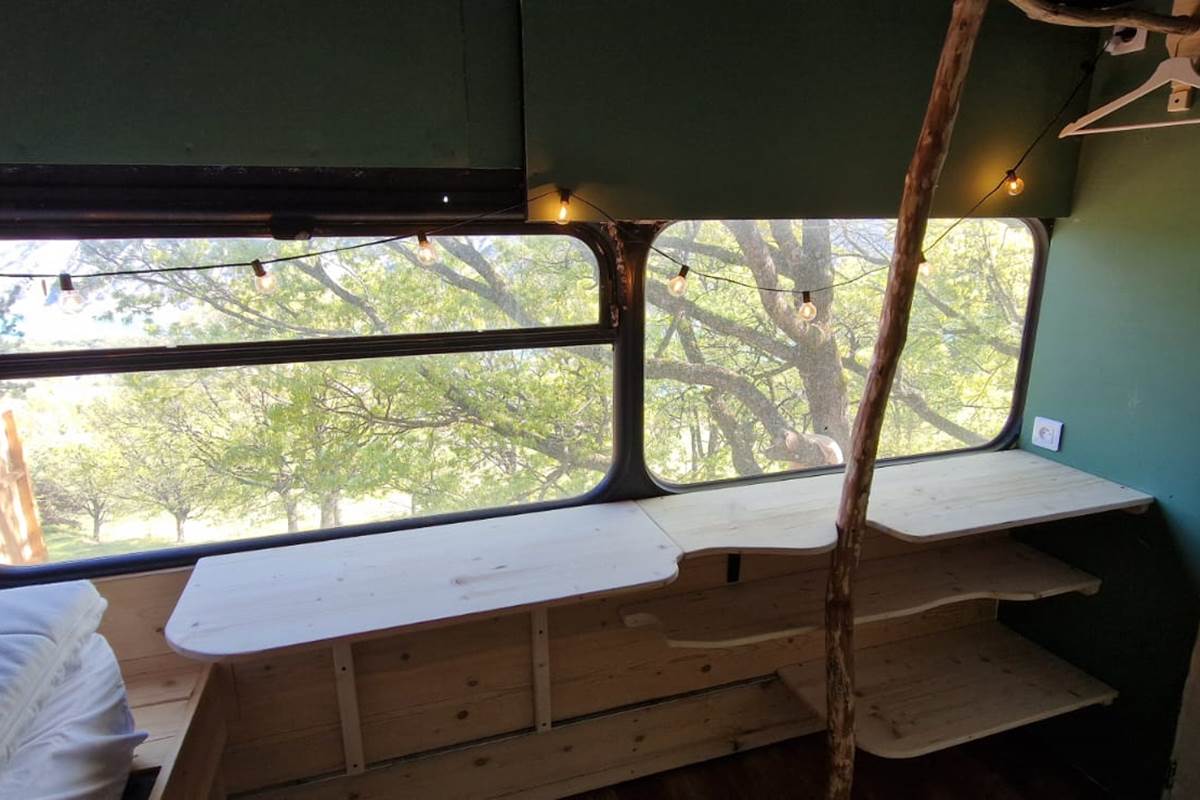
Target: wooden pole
(919, 184)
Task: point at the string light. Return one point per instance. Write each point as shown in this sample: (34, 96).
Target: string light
(425, 252)
(677, 286)
(925, 268)
(264, 282)
(69, 297)
(808, 309)
(1014, 184)
(564, 207)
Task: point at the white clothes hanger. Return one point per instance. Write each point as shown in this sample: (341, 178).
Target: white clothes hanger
(1178, 70)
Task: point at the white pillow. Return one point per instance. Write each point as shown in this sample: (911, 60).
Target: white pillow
(80, 745)
(42, 630)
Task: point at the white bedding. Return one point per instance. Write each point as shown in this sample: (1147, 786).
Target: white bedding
(65, 727)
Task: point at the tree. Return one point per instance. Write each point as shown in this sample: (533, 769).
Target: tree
(79, 479)
(158, 469)
(738, 383)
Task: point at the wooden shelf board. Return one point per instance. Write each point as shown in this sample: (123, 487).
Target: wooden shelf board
(739, 614)
(159, 702)
(249, 603)
(921, 695)
(962, 495)
(787, 517)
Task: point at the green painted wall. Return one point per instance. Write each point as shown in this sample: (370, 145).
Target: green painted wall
(1118, 360)
(764, 108)
(370, 83)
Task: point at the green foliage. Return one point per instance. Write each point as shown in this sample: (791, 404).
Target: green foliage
(736, 383)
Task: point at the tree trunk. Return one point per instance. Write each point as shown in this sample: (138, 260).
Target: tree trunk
(331, 514)
(180, 519)
(919, 183)
(97, 521)
(291, 507)
(821, 368)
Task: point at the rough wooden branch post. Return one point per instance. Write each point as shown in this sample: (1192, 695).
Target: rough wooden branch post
(919, 184)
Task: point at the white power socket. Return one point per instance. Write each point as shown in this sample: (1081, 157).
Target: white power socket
(1126, 40)
(1047, 433)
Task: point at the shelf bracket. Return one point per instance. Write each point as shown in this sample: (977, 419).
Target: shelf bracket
(540, 639)
(347, 697)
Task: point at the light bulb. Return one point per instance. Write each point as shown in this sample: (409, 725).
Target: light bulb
(564, 207)
(677, 286)
(68, 296)
(808, 311)
(264, 282)
(1013, 183)
(425, 252)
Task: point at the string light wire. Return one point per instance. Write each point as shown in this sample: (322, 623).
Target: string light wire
(284, 259)
(564, 198)
(1088, 68)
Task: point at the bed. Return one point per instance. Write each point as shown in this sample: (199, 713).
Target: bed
(66, 731)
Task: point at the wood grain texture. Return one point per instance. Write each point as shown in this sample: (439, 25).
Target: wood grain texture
(584, 754)
(790, 517)
(347, 694)
(159, 702)
(192, 763)
(446, 687)
(251, 603)
(933, 692)
(920, 182)
(739, 614)
(539, 644)
(959, 496)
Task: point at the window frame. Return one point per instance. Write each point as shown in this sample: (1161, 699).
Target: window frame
(163, 358)
(1005, 439)
(621, 323)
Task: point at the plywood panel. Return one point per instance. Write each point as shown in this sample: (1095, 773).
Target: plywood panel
(584, 754)
(963, 495)
(138, 608)
(744, 613)
(249, 603)
(929, 693)
(792, 517)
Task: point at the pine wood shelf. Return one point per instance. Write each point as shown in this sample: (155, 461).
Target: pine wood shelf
(788, 517)
(922, 501)
(249, 603)
(739, 614)
(949, 497)
(159, 702)
(921, 695)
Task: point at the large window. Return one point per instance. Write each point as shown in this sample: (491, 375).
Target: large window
(739, 383)
(238, 438)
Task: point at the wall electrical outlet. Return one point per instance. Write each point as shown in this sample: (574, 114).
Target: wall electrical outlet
(1126, 40)
(1047, 433)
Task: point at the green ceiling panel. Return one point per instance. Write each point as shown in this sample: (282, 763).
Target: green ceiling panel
(421, 83)
(783, 109)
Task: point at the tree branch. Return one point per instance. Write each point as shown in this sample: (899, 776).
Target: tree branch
(1073, 16)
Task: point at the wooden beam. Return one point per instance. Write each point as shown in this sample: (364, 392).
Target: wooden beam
(919, 184)
(347, 697)
(539, 625)
(1074, 16)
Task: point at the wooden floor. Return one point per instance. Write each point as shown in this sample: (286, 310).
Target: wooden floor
(1010, 766)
